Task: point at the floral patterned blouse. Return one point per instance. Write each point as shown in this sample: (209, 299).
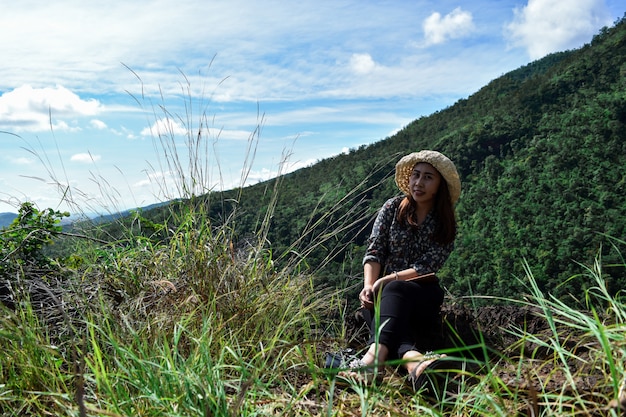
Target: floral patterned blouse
(397, 247)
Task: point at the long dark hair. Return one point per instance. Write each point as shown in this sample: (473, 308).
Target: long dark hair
(443, 212)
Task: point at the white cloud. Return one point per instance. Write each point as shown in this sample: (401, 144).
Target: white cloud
(62, 126)
(232, 134)
(168, 127)
(98, 124)
(545, 26)
(264, 174)
(153, 178)
(256, 176)
(124, 131)
(85, 158)
(21, 161)
(296, 165)
(34, 109)
(362, 63)
(456, 24)
(165, 127)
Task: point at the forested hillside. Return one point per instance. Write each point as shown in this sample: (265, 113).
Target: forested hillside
(542, 157)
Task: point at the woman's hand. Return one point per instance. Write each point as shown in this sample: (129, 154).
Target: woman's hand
(378, 285)
(367, 297)
(368, 292)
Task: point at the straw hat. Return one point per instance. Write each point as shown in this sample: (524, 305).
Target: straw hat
(442, 163)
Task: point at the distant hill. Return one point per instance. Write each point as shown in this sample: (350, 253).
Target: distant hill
(68, 222)
(6, 219)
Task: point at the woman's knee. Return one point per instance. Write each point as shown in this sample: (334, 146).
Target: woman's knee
(427, 294)
(396, 287)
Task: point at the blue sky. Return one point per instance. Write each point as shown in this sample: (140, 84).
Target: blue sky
(275, 85)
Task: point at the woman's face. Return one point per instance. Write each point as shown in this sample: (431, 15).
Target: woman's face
(424, 183)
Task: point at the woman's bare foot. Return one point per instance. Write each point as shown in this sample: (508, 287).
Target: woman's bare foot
(417, 362)
(367, 369)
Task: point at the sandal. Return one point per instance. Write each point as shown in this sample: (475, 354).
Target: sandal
(339, 359)
(433, 375)
(359, 373)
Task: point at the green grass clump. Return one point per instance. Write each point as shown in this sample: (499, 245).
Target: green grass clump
(195, 324)
(184, 326)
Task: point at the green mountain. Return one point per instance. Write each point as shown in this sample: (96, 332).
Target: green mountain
(542, 156)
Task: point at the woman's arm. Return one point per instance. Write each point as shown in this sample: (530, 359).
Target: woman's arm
(394, 276)
(378, 241)
(405, 275)
(371, 284)
(371, 272)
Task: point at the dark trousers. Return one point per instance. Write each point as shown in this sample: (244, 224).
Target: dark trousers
(409, 314)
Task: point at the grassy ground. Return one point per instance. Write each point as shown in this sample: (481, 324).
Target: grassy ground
(194, 326)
